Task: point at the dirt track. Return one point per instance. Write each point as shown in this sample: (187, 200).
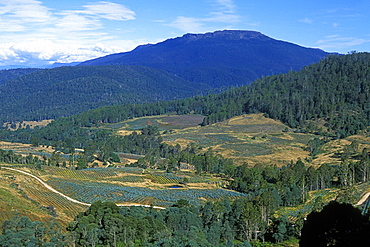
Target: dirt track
(363, 199)
(69, 198)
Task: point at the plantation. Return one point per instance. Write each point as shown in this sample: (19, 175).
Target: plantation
(89, 192)
(118, 185)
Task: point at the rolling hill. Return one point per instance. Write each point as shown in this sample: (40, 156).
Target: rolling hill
(221, 58)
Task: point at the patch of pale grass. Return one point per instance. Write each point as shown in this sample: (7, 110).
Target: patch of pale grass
(123, 132)
(280, 157)
(248, 119)
(32, 124)
(21, 146)
(181, 141)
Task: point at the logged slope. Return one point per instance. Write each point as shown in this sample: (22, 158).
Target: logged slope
(64, 91)
(220, 59)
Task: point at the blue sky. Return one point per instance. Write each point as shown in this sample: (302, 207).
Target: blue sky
(41, 32)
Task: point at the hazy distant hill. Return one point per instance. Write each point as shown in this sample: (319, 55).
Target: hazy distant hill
(52, 93)
(219, 59)
(10, 74)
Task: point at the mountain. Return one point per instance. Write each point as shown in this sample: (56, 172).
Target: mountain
(176, 68)
(56, 65)
(221, 58)
(63, 91)
(334, 91)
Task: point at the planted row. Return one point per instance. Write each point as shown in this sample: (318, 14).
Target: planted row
(90, 192)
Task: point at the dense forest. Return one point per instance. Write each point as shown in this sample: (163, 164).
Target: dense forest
(10, 74)
(63, 91)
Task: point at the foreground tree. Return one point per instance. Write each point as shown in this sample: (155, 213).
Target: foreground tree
(21, 231)
(336, 225)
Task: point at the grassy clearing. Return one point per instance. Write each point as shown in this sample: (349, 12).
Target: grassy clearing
(250, 139)
(331, 151)
(120, 185)
(243, 138)
(26, 149)
(164, 123)
(31, 124)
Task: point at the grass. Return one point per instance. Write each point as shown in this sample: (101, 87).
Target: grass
(164, 123)
(120, 185)
(248, 139)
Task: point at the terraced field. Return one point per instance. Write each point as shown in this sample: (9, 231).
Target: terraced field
(124, 186)
(21, 194)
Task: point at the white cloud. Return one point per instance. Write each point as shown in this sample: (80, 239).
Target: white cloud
(110, 11)
(73, 22)
(188, 24)
(225, 13)
(32, 34)
(223, 18)
(25, 10)
(337, 42)
(227, 5)
(306, 21)
(39, 52)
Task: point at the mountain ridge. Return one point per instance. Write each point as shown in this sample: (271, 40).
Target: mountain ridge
(240, 56)
(194, 64)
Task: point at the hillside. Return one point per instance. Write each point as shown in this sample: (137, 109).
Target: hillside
(328, 98)
(285, 184)
(242, 167)
(222, 58)
(194, 64)
(53, 93)
(10, 74)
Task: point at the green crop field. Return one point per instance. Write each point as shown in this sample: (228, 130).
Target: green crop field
(121, 185)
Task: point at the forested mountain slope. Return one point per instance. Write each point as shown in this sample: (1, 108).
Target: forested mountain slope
(10, 74)
(221, 58)
(53, 93)
(335, 90)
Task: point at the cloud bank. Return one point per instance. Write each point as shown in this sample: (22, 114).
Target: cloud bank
(39, 36)
(224, 12)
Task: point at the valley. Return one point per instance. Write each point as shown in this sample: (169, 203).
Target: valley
(132, 150)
